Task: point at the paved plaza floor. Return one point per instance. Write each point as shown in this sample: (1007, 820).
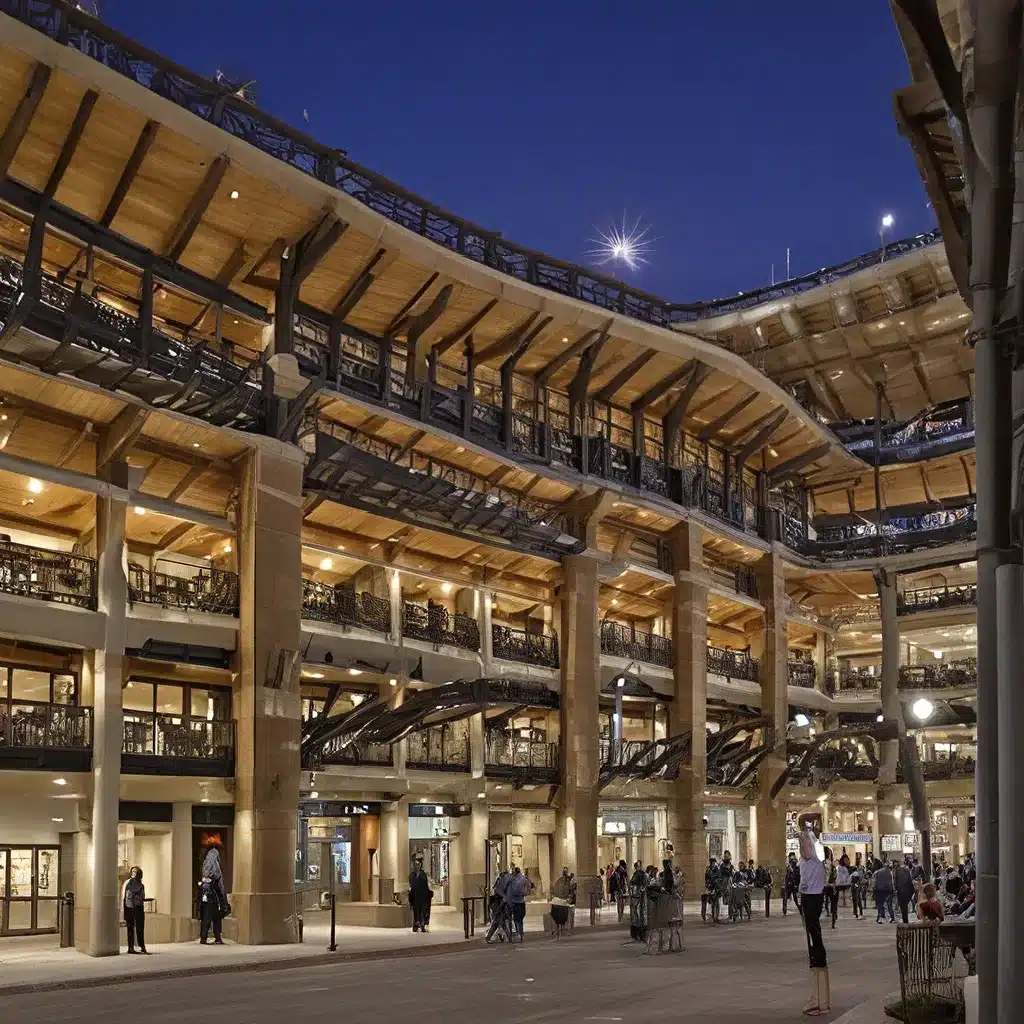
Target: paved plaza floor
(755, 972)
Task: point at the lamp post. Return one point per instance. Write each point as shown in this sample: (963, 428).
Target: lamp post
(885, 225)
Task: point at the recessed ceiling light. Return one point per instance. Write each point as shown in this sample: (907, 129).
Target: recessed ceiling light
(35, 486)
(773, 453)
(615, 600)
(355, 671)
(227, 547)
(423, 799)
(314, 795)
(460, 449)
(326, 563)
(3, 416)
(57, 819)
(394, 682)
(60, 782)
(195, 444)
(205, 800)
(481, 796)
(446, 588)
(234, 193)
(341, 547)
(139, 510)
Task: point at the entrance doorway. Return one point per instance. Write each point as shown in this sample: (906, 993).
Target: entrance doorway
(29, 879)
(436, 861)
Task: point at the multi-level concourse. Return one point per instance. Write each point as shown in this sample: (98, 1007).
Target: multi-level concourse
(331, 524)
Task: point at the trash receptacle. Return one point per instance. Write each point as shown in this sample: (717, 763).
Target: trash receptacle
(66, 919)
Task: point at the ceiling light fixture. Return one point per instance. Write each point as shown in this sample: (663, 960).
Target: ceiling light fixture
(139, 510)
(446, 588)
(58, 820)
(234, 193)
(326, 563)
(35, 486)
(355, 671)
(60, 782)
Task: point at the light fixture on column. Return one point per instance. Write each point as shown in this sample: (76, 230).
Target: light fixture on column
(801, 720)
(446, 588)
(923, 709)
(35, 486)
(879, 718)
(326, 564)
(314, 795)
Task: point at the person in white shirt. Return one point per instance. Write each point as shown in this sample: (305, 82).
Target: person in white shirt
(812, 900)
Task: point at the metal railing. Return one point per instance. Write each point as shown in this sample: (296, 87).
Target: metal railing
(732, 664)
(343, 606)
(189, 587)
(802, 673)
(223, 104)
(340, 751)
(523, 646)
(939, 677)
(24, 724)
(623, 641)
(859, 679)
(178, 736)
(937, 431)
(933, 598)
(511, 751)
(45, 575)
(439, 746)
(436, 625)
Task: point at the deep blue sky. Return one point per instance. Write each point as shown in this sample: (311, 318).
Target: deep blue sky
(735, 127)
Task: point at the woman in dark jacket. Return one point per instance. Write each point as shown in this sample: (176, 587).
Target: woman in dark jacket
(134, 905)
(212, 898)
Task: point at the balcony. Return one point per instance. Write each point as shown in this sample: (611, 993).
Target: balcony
(802, 673)
(936, 432)
(156, 744)
(340, 751)
(46, 575)
(523, 646)
(527, 761)
(185, 587)
(343, 606)
(732, 664)
(939, 677)
(932, 599)
(439, 748)
(854, 679)
(434, 624)
(621, 641)
(57, 737)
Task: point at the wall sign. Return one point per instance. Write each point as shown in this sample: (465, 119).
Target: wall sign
(892, 844)
(834, 838)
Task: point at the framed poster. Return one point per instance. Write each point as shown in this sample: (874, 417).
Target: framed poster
(892, 844)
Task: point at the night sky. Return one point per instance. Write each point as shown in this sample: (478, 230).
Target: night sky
(736, 128)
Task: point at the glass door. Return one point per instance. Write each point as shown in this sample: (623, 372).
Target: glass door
(47, 892)
(3, 891)
(29, 879)
(19, 890)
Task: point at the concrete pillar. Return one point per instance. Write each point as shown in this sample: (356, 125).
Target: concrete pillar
(182, 889)
(395, 594)
(580, 659)
(268, 706)
(108, 730)
(372, 579)
(820, 661)
(394, 849)
(469, 854)
(891, 707)
(688, 712)
(774, 677)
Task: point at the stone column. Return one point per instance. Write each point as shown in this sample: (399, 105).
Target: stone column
(688, 712)
(580, 658)
(820, 661)
(774, 677)
(394, 849)
(395, 595)
(268, 704)
(182, 888)
(469, 853)
(107, 666)
(889, 754)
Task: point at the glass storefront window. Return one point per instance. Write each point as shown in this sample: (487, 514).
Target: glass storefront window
(169, 699)
(29, 684)
(3, 682)
(138, 696)
(64, 690)
(212, 704)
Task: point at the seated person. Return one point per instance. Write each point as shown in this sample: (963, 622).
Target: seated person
(929, 908)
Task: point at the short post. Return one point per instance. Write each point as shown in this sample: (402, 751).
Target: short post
(66, 909)
(468, 919)
(594, 900)
(333, 947)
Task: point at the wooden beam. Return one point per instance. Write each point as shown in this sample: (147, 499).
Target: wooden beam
(197, 206)
(20, 120)
(120, 434)
(9, 425)
(194, 473)
(928, 492)
(624, 544)
(652, 394)
(410, 443)
(796, 463)
(922, 380)
(131, 169)
(967, 474)
(509, 363)
(173, 536)
(672, 421)
(716, 425)
(455, 336)
(71, 141)
(359, 285)
(72, 448)
(762, 436)
(626, 374)
(399, 320)
(315, 245)
(508, 343)
(826, 396)
(545, 373)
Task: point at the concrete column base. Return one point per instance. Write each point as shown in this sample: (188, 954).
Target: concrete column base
(265, 918)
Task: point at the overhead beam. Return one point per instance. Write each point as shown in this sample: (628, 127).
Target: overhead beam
(715, 426)
(672, 421)
(509, 342)
(19, 123)
(359, 285)
(826, 396)
(763, 436)
(459, 333)
(189, 220)
(131, 169)
(121, 434)
(71, 142)
(663, 386)
(785, 469)
(509, 364)
(928, 492)
(922, 378)
(193, 474)
(315, 245)
(578, 347)
(399, 320)
(74, 446)
(607, 393)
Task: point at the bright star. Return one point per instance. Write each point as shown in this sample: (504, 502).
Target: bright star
(623, 244)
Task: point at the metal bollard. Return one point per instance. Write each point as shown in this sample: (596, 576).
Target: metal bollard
(595, 899)
(468, 921)
(66, 909)
(334, 945)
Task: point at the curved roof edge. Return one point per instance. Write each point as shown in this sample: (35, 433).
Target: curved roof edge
(216, 103)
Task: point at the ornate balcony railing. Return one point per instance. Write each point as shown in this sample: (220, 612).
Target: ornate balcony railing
(436, 625)
(177, 585)
(513, 752)
(182, 737)
(859, 679)
(224, 104)
(47, 575)
(802, 673)
(444, 747)
(340, 751)
(934, 598)
(939, 431)
(31, 725)
(343, 606)
(623, 641)
(939, 677)
(523, 646)
(732, 664)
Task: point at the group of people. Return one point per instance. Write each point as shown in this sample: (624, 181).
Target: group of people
(733, 884)
(508, 903)
(213, 904)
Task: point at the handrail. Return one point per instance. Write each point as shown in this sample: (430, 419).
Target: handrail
(208, 589)
(515, 752)
(181, 736)
(523, 646)
(46, 575)
(622, 641)
(434, 624)
(222, 105)
(933, 598)
(31, 724)
(939, 677)
(802, 673)
(343, 606)
(732, 664)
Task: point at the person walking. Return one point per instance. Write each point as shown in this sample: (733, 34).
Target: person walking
(856, 881)
(831, 888)
(763, 880)
(134, 906)
(420, 895)
(884, 887)
(791, 885)
(213, 903)
(519, 887)
(843, 883)
(812, 900)
(903, 880)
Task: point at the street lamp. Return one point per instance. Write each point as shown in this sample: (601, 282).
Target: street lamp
(886, 224)
(923, 709)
